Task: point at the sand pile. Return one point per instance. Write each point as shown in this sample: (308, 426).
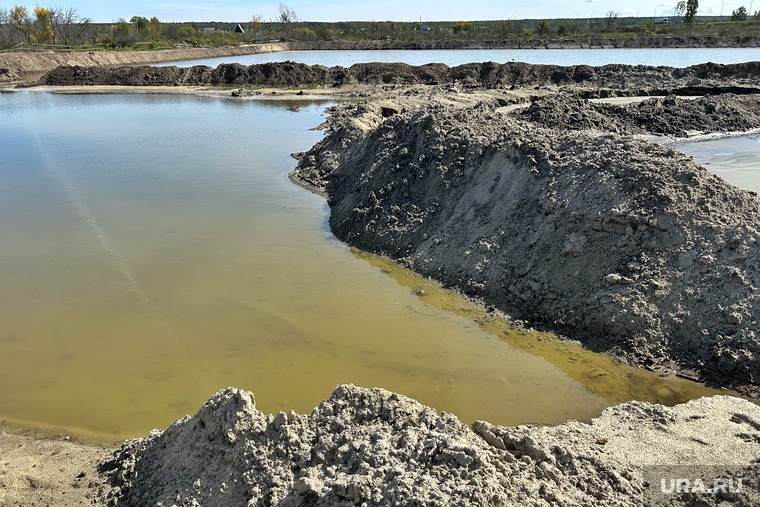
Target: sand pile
(374, 447)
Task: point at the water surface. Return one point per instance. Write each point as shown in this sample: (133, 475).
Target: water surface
(452, 57)
(735, 159)
(153, 251)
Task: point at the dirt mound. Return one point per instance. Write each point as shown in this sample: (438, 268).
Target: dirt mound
(596, 81)
(371, 446)
(630, 247)
(22, 64)
(673, 116)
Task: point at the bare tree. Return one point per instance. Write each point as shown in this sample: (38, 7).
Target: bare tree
(257, 24)
(610, 19)
(5, 28)
(287, 15)
(64, 21)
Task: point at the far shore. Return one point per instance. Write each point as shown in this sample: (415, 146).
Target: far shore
(19, 66)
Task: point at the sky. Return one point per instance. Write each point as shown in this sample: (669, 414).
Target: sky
(382, 10)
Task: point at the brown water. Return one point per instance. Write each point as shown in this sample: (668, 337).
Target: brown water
(152, 251)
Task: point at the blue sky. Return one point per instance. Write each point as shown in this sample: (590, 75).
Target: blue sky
(382, 10)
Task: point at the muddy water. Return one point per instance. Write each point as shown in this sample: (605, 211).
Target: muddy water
(153, 251)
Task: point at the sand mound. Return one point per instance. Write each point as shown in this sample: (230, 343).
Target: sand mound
(374, 447)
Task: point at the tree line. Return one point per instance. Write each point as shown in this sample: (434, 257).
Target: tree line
(58, 26)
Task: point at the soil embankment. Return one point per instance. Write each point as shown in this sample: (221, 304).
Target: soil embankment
(15, 66)
(554, 212)
(691, 41)
(374, 447)
(590, 82)
(627, 246)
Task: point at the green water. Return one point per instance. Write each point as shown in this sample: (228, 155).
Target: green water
(153, 251)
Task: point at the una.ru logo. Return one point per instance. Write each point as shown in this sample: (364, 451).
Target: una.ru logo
(724, 485)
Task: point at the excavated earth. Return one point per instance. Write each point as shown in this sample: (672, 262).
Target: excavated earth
(557, 215)
(374, 447)
(510, 184)
(605, 81)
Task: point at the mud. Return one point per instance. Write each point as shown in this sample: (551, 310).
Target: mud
(374, 447)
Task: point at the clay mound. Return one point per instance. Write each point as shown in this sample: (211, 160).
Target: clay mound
(374, 447)
(630, 247)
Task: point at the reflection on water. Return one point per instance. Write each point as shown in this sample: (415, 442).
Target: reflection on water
(152, 251)
(598, 372)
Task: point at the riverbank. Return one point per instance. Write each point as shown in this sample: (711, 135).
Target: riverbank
(598, 235)
(509, 184)
(363, 445)
(18, 66)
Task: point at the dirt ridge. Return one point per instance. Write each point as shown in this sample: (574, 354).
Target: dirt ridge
(627, 246)
(15, 66)
(603, 81)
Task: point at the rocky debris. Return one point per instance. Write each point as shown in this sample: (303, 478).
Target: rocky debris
(630, 247)
(672, 116)
(608, 80)
(374, 447)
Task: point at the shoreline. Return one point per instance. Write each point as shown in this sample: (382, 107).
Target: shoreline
(19, 66)
(229, 420)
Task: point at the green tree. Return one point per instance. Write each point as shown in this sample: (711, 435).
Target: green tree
(154, 27)
(141, 24)
(20, 20)
(739, 14)
(326, 32)
(461, 26)
(544, 28)
(687, 9)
